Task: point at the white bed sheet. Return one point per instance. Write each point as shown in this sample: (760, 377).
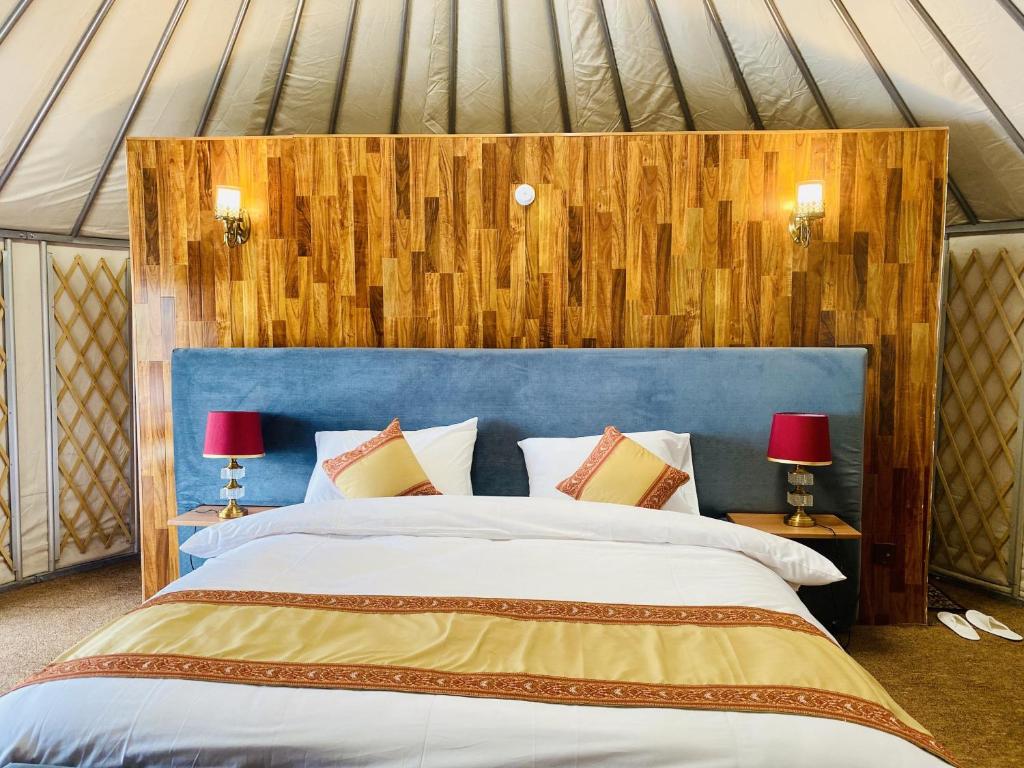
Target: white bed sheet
(529, 548)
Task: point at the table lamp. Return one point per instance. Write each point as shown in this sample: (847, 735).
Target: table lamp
(233, 435)
(800, 439)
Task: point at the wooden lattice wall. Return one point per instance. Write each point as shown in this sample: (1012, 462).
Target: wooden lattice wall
(634, 240)
(92, 404)
(979, 421)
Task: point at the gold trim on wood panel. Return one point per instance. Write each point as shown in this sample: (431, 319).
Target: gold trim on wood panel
(642, 240)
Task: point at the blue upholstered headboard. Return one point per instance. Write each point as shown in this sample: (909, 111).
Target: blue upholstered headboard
(724, 397)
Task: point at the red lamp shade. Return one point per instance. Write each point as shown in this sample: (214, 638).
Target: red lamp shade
(800, 438)
(233, 435)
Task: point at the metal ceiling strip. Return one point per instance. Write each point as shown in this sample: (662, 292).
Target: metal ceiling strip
(801, 63)
(52, 237)
(958, 61)
(55, 90)
(506, 96)
(140, 92)
(1015, 13)
(556, 49)
(275, 99)
(346, 50)
(229, 47)
(403, 49)
(670, 59)
(986, 228)
(896, 97)
(12, 19)
(613, 64)
(734, 65)
(876, 65)
(453, 62)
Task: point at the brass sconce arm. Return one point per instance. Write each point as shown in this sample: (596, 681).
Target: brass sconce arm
(800, 230)
(236, 228)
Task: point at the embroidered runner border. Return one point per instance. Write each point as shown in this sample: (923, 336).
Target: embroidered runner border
(378, 642)
(533, 610)
(540, 688)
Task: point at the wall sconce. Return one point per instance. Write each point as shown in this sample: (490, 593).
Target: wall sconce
(810, 205)
(228, 209)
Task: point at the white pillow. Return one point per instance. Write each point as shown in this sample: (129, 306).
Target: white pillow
(445, 453)
(549, 460)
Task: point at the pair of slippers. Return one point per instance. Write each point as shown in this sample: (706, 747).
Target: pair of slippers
(965, 625)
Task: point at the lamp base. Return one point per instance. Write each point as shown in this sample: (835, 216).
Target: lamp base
(232, 510)
(799, 519)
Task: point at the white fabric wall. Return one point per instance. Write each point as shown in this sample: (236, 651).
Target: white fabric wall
(48, 190)
(29, 348)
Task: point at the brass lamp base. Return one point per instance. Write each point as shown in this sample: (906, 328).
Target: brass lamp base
(232, 510)
(799, 519)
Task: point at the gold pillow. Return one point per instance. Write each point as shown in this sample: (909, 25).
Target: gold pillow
(621, 471)
(382, 466)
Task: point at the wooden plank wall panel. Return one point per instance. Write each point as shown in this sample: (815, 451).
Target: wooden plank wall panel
(633, 240)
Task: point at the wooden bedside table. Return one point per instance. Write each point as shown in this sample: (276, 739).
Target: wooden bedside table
(188, 523)
(771, 522)
(204, 515)
(842, 548)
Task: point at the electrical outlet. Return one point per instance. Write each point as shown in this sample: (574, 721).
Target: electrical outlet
(883, 553)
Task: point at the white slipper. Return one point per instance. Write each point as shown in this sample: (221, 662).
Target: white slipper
(986, 623)
(957, 623)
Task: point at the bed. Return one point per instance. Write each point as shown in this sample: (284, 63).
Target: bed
(494, 629)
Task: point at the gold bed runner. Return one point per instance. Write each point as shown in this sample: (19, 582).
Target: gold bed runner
(703, 657)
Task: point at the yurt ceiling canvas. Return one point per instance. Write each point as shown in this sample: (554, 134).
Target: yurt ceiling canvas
(80, 75)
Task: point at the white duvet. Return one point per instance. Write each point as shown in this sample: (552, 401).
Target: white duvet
(486, 547)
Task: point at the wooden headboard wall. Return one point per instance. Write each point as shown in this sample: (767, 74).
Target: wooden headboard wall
(633, 240)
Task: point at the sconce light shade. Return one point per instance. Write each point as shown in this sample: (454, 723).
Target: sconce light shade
(227, 208)
(810, 199)
(229, 202)
(810, 205)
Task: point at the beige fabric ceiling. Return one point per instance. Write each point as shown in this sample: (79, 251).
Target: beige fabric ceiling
(152, 67)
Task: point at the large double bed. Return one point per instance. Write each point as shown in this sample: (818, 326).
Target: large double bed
(493, 629)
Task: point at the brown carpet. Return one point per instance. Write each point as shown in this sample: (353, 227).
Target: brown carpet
(966, 693)
(40, 621)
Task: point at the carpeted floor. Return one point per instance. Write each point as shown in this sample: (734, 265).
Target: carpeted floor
(40, 621)
(966, 693)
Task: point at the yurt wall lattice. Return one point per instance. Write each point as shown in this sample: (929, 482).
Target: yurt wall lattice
(976, 519)
(91, 393)
(66, 446)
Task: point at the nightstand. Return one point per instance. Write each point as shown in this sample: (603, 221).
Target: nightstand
(188, 523)
(206, 514)
(833, 538)
(829, 526)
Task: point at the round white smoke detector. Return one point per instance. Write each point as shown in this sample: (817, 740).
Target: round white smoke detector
(525, 194)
